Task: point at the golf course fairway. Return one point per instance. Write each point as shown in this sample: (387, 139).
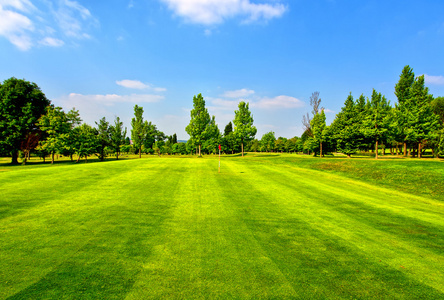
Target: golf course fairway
(266, 226)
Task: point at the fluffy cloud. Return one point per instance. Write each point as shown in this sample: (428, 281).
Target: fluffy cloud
(210, 12)
(112, 99)
(15, 26)
(26, 25)
(136, 84)
(242, 93)
(436, 80)
(278, 102)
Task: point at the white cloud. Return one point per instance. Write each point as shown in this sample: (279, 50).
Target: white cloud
(209, 12)
(278, 102)
(25, 24)
(136, 84)
(72, 19)
(111, 99)
(132, 84)
(238, 93)
(436, 80)
(16, 28)
(52, 42)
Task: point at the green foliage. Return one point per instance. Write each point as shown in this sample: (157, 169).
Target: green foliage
(103, 137)
(139, 129)
(378, 120)
(21, 105)
(117, 136)
(346, 128)
(244, 130)
(268, 142)
(198, 128)
(87, 142)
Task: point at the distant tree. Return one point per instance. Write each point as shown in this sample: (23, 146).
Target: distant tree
(213, 137)
(87, 141)
(438, 109)
(345, 128)
(21, 105)
(139, 129)
(268, 142)
(402, 92)
(318, 129)
(229, 140)
(55, 124)
(422, 123)
(117, 136)
(244, 130)
(103, 137)
(200, 120)
(378, 120)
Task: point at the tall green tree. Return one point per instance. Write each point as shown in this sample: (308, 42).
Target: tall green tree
(213, 137)
(244, 130)
(103, 137)
(55, 124)
(402, 92)
(21, 104)
(117, 136)
(421, 123)
(378, 120)
(318, 126)
(199, 123)
(139, 129)
(345, 129)
(87, 142)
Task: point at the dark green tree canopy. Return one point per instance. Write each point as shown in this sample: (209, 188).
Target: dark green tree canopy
(21, 105)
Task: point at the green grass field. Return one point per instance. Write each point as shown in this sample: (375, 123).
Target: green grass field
(267, 226)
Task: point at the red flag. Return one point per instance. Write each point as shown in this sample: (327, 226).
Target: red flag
(219, 147)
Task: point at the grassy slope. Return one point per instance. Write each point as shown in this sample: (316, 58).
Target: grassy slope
(265, 227)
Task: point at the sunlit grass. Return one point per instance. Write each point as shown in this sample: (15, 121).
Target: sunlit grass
(267, 226)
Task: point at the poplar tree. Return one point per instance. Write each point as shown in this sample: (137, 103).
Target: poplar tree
(318, 126)
(139, 129)
(244, 130)
(117, 135)
(200, 120)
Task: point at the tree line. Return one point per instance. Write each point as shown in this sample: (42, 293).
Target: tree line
(29, 123)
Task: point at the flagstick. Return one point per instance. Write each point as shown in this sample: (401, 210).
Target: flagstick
(219, 158)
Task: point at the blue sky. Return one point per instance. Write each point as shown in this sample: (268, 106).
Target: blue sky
(103, 57)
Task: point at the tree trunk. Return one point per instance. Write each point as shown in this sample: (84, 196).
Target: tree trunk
(14, 160)
(70, 156)
(52, 158)
(242, 149)
(320, 150)
(78, 158)
(405, 149)
(383, 149)
(376, 149)
(140, 152)
(117, 155)
(348, 155)
(419, 150)
(200, 151)
(410, 152)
